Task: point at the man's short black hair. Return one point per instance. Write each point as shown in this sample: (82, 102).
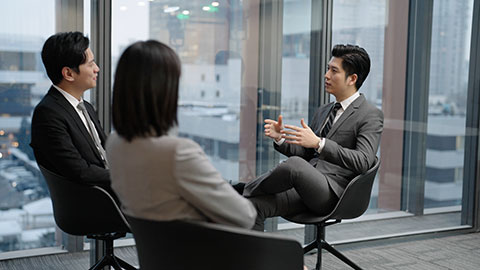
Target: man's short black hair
(64, 50)
(355, 61)
(145, 90)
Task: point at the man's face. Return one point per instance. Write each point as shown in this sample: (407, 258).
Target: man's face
(335, 81)
(87, 77)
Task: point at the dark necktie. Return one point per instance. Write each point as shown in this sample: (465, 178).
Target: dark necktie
(331, 117)
(93, 133)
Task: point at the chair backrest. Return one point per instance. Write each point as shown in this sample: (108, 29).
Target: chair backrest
(193, 245)
(356, 197)
(81, 209)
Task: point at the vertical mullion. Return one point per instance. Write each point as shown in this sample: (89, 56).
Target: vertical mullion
(101, 45)
(393, 106)
(270, 81)
(416, 113)
(269, 84)
(320, 50)
(471, 177)
(320, 53)
(69, 17)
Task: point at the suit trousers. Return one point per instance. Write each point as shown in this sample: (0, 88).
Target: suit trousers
(294, 186)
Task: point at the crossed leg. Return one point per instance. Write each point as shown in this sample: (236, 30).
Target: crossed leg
(293, 186)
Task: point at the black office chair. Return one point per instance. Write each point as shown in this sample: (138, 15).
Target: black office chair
(88, 210)
(353, 203)
(181, 245)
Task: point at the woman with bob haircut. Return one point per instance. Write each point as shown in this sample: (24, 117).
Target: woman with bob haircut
(157, 175)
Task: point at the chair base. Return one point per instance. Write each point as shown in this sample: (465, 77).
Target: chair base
(320, 244)
(113, 261)
(109, 259)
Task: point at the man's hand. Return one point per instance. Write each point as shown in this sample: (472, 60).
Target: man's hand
(303, 136)
(273, 128)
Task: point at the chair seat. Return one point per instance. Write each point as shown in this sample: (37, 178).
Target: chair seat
(307, 218)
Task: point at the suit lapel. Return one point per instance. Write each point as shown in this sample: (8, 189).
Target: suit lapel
(63, 102)
(346, 114)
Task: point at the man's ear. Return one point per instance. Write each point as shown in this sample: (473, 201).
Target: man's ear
(352, 79)
(67, 74)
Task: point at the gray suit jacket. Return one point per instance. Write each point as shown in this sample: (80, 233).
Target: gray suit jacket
(351, 144)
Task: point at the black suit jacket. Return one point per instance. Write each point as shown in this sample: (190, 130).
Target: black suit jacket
(350, 145)
(62, 143)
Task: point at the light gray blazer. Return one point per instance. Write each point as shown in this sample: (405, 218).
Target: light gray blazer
(169, 178)
(351, 144)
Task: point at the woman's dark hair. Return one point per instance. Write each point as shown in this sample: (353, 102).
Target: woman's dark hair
(64, 50)
(355, 61)
(145, 90)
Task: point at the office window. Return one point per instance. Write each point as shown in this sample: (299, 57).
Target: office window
(218, 44)
(296, 61)
(447, 100)
(26, 215)
(382, 34)
(210, 39)
(350, 26)
(26, 219)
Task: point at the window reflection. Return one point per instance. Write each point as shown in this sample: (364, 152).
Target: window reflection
(296, 61)
(210, 41)
(447, 102)
(451, 30)
(26, 217)
(350, 26)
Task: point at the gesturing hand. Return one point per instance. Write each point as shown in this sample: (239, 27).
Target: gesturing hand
(273, 128)
(303, 136)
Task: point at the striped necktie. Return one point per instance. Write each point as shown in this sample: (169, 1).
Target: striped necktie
(331, 117)
(93, 133)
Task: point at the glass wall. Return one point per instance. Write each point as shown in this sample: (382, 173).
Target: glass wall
(295, 61)
(26, 215)
(351, 26)
(447, 103)
(26, 219)
(247, 60)
(402, 201)
(218, 45)
(216, 101)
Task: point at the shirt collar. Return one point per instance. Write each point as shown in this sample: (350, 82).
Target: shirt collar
(71, 99)
(346, 102)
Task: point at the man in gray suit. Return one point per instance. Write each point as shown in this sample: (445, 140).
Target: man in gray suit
(340, 143)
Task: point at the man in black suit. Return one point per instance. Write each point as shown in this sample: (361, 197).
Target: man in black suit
(66, 139)
(340, 143)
